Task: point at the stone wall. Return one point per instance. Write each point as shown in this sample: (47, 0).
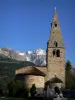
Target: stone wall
(56, 65)
(22, 70)
(37, 80)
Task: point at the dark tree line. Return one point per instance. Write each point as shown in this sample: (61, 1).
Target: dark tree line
(17, 89)
(69, 80)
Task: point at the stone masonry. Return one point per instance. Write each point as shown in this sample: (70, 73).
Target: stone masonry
(55, 52)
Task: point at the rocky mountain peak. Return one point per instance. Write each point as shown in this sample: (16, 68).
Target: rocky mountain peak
(37, 56)
(6, 48)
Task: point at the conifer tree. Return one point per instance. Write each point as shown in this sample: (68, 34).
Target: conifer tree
(69, 82)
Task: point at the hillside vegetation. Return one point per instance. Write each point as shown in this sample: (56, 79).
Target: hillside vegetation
(8, 67)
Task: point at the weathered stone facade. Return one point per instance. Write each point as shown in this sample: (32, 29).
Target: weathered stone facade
(31, 75)
(55, 52)
(55, 59)
(33, 79)
(37, 80)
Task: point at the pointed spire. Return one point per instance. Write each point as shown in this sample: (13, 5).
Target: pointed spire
(55, 33)
(55, 10)
(55, 17)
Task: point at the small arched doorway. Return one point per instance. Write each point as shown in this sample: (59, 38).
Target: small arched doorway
(57, 90)
(53, 85)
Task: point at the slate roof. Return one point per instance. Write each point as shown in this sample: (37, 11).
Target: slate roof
(30, 70)
(54, 80)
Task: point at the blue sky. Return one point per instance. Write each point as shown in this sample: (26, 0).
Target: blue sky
(25, 24)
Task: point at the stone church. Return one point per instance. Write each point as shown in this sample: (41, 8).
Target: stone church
(53, 74)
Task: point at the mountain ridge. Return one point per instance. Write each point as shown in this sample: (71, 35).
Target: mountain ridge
(37, 56)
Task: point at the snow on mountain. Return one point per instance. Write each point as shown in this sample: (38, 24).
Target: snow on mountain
(22, 54)
(40, 52)
(27, 59)
(29, 52)
(37, 56)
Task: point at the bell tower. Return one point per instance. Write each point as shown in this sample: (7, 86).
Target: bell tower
(55, 53)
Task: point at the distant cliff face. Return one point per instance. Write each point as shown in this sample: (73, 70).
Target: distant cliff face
(37, 56)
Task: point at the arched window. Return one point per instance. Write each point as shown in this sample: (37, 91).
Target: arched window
(55, 25)
(58, 53)
(54, 52)
(55, 43)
